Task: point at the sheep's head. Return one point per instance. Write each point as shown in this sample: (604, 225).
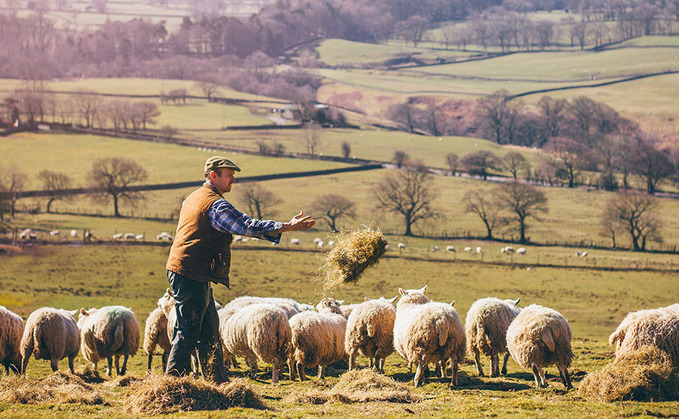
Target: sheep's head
(84, 314)
(166, 302)
(329, 305)
(386, 300)
(413, 296)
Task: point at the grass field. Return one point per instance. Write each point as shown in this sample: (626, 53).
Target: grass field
(593, 301)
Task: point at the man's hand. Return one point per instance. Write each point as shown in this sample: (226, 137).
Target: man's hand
(298, 222)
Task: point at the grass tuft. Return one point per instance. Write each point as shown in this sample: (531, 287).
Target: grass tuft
(646, 374)
(161, 394)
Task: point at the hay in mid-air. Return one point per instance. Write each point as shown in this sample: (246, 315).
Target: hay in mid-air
(354, 252)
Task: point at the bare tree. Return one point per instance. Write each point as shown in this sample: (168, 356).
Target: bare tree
(408, 192)
(521, 202)
(12, 183)
(54, 183)
(259, 201)
(515, 163)
(332, 207)
(478, 163)
(651, 163)
(147, 113)
(110, 178)
(635, 214)
(498, 117)
(208, 83)
(312, 138)
(553, 112)
(400, 159)
(477, 202)
(453, 161)
(346, 149)
(87, 104)
(568, 156)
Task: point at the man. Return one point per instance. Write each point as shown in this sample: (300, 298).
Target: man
(201, 254)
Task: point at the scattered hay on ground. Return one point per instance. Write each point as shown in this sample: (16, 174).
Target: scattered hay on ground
(89, 375)
(161, 394)
(646, 374)
(56, 388)
(354, 252)
(122, 381)
(359, 386)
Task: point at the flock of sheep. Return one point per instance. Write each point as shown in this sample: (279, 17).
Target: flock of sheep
(277, 331)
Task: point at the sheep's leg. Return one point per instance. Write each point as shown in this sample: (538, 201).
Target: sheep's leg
(419, 374)
(148, 364)
(371, 363)
(494, 365)
(24, 361)
(301, 371)
(455, 366)
(291, 368)
(321, 372)
(123, 371)
(71, 362)
(274, 372)
(477, 361)
(539, 380)
(438, 371)
(252, 363)
(117, 362)
(55, 364)
(352, 360)
(565, 378)
(504, 364)
(110, 366)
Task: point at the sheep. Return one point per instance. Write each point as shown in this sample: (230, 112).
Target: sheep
(331, 243)
(320, 244)
(656, 327)
(435, 248)
(450, 249)
(317, 240)
(468, 249)
(426, 331)
(258, 331)
(130, 236)
(294, 241)
(155, 334)
(165, 236)
(539, 337)
(27, 234)
(329, 305)
(486, 330)
(507, 250)
(290, 306)
(401, 246)
(11, 330)
(370, 331)
(74, 233)
(479, 249)
(317, 340)
(521, 250)
(51, 334)
(55, 233)
(118, 236)
(139, 237)
(109, 332)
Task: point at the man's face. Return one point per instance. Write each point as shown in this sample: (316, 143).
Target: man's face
(222, 179)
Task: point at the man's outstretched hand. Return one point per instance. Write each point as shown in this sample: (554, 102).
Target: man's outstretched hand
(298, 222)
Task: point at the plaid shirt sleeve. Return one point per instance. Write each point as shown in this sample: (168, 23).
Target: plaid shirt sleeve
(226, 218)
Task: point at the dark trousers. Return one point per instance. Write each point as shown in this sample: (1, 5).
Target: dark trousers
(197, 327)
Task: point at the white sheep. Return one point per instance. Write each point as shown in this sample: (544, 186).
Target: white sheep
(539, 337)
(370, 332)
(486, 330)
(479, 249)
(329, 305)
(294, 241)
(317, 240)
(11, 330)
(401, 246)
(54, 233)
(331, 243)
(118, 236)
(139, 237)
(320, 244)
(258, 331)
(468, 249)
(107, 333)
(521, 250)
(130, 236)
(435, 248)
(51, 334)
(155, 334)
(74, 233)
(450, 249)
(290, 306)
(655, 327)
(317, 340)
(426, 331)
(507, 250)
(27, 234)
(165, 236)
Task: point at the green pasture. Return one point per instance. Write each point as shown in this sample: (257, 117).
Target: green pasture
(165, 163)
(593, 301)
(564, 66)
(335, 52)
(203, 115)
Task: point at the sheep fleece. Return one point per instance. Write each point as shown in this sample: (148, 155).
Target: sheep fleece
(11, 329)
(486, 325)
(50, 333)
(109, 331)
(370, 328)
(318, 338)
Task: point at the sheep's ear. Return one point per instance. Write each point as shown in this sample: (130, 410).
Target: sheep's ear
(168, 292)
(73, 312)
(452, 303)
(516, 302)
(402, 291)
(423, 289)
(393, 299)
(340, 302)
(366, 298)
(83, 312)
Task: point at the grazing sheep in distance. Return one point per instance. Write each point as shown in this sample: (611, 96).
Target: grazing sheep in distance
(50, 334)
(118, 236)
(539, 337)
(294, 241)
(479, 249)
(656, 327)
(11, 330)
(165, 236)
(401, 246)
(54, 233)
(507, 250)
(258, 331)
(109, 332)
(426, 331)
(130, 236)
(155, 334)
(486, 330)
(521, 250)
(450, 249)
(74, 233)
(331, 243)
(317, 340)
(468, 249)
(435, 248)
(139, 237)
(370, 332)
(290, 306)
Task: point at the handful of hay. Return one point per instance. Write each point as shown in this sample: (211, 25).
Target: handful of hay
(646, 374)
(354, 252)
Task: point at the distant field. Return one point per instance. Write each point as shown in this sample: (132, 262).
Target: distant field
(203, 115)
(165, 163)
(593, 301)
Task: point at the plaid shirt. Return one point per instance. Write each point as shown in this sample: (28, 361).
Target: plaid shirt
(226, 218)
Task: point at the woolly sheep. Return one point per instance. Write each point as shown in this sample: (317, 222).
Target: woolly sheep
(521, 250)
(507, 249)
(330, 305)
(450, 249)
(259, 331)
(370, 332)
(117, 236)
(130, 236)
(317, 340)
(486, 330)
(290, 306)
(656, 327)
(11, 329)
(294, 241)
(155, 334)
(539, 337)
(51, 334)
(435, 248)
(108, 333)
(401, 245)
(468, 249)
(426, 331)
(54, 233)
(479, 249)
(74, 233)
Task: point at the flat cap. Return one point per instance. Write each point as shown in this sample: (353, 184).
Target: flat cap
(219, 162)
